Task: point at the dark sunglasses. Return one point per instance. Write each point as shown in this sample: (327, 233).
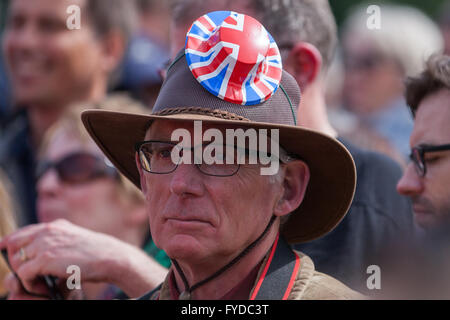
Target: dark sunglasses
(417, 156)
(78, 167)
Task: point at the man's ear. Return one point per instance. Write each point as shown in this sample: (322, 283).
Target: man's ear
(113, 50)
(295, 181)
(306, 63)
(141, 174)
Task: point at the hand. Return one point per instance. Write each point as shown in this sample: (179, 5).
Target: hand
(49, 248)
(17, 292)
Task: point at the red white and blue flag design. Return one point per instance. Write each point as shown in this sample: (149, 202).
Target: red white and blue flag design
(234, 57)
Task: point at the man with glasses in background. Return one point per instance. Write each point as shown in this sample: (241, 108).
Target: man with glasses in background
(426, 179)
(420, 268)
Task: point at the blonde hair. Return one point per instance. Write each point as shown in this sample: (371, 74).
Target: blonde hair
(71, 122)
(7, 223)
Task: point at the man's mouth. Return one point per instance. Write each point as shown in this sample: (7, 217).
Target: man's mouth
(28, 69)
(188, 221)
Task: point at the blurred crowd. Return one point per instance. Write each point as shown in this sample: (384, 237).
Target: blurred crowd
(55, 181)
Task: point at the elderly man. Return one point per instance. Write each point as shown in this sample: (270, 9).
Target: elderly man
(226, 225)
(378, 216)
(426, 180)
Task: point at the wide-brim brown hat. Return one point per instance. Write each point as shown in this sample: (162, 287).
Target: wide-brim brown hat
(182, 98)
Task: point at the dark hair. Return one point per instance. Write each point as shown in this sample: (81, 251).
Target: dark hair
(436, 76)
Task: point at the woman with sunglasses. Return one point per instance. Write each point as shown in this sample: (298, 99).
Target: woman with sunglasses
(104, 221)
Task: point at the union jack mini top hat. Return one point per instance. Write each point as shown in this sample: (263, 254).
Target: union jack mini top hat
(230, 73)
(233, 57)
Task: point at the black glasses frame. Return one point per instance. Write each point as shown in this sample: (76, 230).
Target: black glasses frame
(417, 156)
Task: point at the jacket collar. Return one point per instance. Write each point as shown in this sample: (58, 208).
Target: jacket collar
(280, 272)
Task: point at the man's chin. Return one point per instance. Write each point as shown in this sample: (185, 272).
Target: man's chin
(30, 96)
(183, 247)
(426, 221)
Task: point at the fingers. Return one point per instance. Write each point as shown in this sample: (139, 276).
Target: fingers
(21, 238)
(24, 254)
(15, 289)
(29, 270)
(11, 283)
(21, 245)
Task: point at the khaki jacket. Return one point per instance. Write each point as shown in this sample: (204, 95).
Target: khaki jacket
(313, 285)
(309, 284)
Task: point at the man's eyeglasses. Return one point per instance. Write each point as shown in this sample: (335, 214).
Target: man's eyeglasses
(78, 167)
(156, 157)
(417, 156)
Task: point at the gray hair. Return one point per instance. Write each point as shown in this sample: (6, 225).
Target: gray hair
(407, 35)
(291, 21)
(288, 21)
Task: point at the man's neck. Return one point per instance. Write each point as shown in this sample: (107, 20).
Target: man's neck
(313, 110)
(43, 115)
(40, 120)
(218, 287)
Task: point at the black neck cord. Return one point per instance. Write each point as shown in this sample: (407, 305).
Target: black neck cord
(188, 290)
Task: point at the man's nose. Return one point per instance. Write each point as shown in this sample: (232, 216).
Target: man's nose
(187, 180)
(410, 183)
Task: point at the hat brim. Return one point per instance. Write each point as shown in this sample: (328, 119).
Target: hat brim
(332, 170)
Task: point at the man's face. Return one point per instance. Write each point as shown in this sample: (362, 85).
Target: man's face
(47, 62)
(198, 217)
(430, 194)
